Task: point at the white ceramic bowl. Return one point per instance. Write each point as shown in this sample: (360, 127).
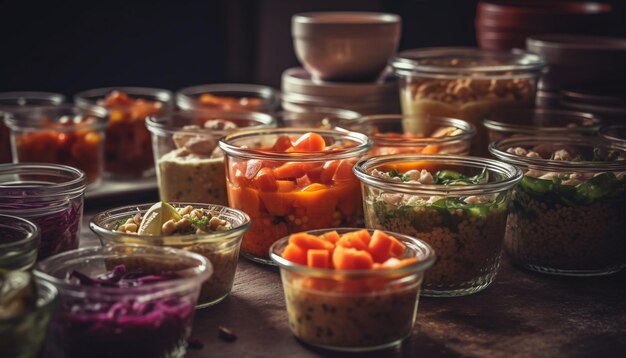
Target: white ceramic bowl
(345, 45)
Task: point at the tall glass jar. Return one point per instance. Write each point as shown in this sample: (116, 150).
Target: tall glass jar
(569, 211)
(458, 205)
(10, 101)
(19, 240)
(50, 196)
(189, 165)
(465, 83)
(290, 180)
(128, 147)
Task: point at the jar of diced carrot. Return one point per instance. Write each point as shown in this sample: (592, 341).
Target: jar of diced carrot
(291, 180)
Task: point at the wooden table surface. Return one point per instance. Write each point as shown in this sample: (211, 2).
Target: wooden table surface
(521, 314)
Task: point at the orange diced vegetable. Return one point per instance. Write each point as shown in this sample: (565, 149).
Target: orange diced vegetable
(384, 246)
(351, 259)
(296, 254)
(282, 144)
(395, 263)
(290, 170)
(344, 171)
(331, 236)
(252, 168)
(318, 258)
(303, 181)
(310, 242)
(265, 181)
(430, 149)
(285, 186)
(310, 142)
(328, 171)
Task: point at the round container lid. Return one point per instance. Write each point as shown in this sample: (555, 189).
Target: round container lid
(298, 80)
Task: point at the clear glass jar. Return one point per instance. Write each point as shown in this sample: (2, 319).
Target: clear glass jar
(49, 195)
(465, 83)
(353, 310)
(19, 240)
(63, 134)
(615, 134)
(286, 192)
(128, 147)
(151, 318)
(506, 123)
(317, 117)
(229, 97)
(220, 247)
(10, 101)
(189, 165)
(392, 134)
(568, 212)
(24, 334)
(463, 223)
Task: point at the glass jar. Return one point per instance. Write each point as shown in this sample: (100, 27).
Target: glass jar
(353, 310)
(568, 213)
(318, 117)
(229, 97)
(19, 240)
(63, 134)
(128, 147)
(49, 195)
(291, 190)
(391, 134)
(24, 334)
(125, 300)
(458, 205)
(220, 247)
(10, 101)
(615, 134)
(465, 83)
(189, 165)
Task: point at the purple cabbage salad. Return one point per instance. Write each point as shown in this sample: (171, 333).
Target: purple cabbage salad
(130, 325)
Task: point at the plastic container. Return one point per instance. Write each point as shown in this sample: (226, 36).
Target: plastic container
(507, 123)
(464, 223)
(151, 318)
(229, 97)
(568, 214)
(63, 134)
(189, 165)
(353, 310)
(127, 149)
(49, 195)
(19, 240)
(220, 247)
(24, 334)
(615, 134)
(10, 101)
(318, 117)
(286, 192)
(465, 83)
(438, 135)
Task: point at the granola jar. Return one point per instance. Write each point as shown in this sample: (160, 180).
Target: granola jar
(458, 205)
(229, 97)
(390, 135)
(568, 211)
(465, 83)
(190, 166)
(19, 239)
(63, 134)
(49, 195)
(285, 188)
(10, 101)
(127, 148)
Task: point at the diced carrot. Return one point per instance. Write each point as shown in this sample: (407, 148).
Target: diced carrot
(238, 174)
(265, 181)
(295, 254)
(352, 241)
(430, 149)
(344, 170)
(318, 202)
(278, 203)
(285, 186)
(395, 263)
(328, 171)
(351, 259)
(303, 181)
(309, 142)
(318, 258)
(310, 242)
(382, 245)
(331, 236)
(282, 144)
(291, 170)
(252, 168)
(397, 248)
(314, 187)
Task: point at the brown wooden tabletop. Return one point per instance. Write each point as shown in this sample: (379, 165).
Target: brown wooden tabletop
(521, 314)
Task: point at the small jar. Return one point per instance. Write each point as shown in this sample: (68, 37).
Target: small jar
(568, 211)
(24, 333)
(615, 134)
(63, 134)
(229, 97)
(189, 165)
(292, 191)
(507, 123)
(353, 310)
(220, 247)
(317, 117)
(463, 220)
(394, 134)
(10, 101)
(49, 195)
(124, 300)
(465, 83)
(19, 240)
(128, 147)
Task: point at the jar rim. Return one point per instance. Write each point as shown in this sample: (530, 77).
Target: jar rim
(89, 97)
(76, 183)
(576, 116)
(31, 229)
(30, 117)
(50, 98)
(512, 173)
(186, 98)
(46, 298)
(363, 146)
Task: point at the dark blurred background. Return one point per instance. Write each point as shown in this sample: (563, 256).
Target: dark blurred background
(66, 46)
